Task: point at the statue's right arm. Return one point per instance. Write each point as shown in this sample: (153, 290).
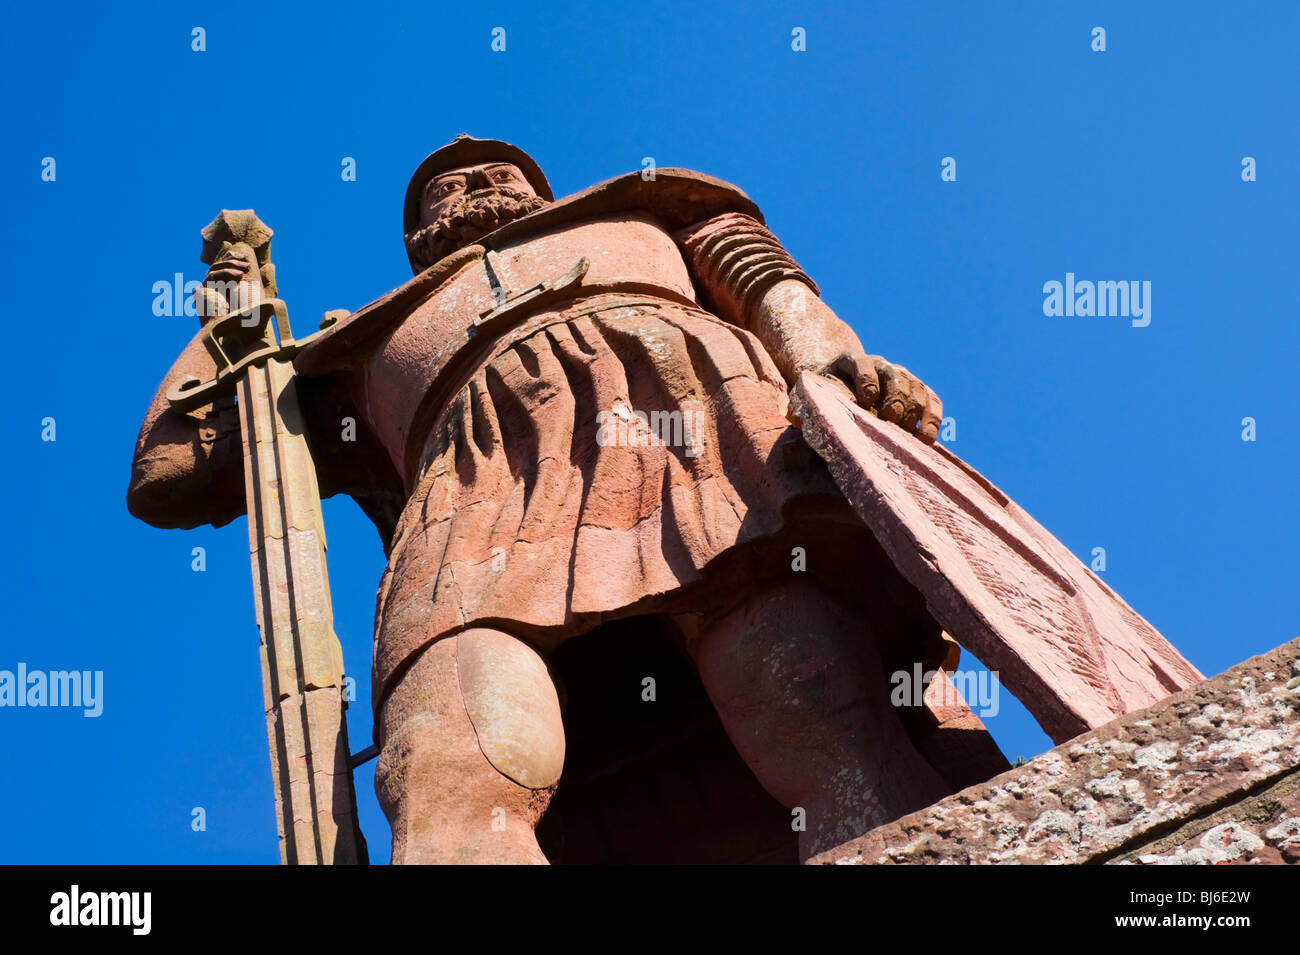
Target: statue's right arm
(751, 280)
(188, 467)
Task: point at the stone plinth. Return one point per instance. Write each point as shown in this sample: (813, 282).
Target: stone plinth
(1209, 775)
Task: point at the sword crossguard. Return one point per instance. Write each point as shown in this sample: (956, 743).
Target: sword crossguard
(237, 341)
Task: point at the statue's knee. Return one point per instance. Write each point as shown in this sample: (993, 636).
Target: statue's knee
(513, 706)
(789, 646)
(471, 740)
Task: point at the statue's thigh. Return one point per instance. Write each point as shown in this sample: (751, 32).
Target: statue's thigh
(472, 742)
(795, 679)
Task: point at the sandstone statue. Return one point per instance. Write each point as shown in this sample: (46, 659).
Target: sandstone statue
(628, 467)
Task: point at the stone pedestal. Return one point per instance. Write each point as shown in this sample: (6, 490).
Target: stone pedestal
(1209, 775)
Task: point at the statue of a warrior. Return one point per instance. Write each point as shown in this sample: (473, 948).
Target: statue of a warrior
(587, 420)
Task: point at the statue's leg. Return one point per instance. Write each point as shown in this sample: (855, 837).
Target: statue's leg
(472, 748)
(796, 679)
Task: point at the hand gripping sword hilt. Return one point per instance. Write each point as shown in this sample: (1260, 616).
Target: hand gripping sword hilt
(238, 341)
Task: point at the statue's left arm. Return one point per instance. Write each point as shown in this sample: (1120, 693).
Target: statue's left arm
(752, 281)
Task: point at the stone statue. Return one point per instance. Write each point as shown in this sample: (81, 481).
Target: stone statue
(574, 428)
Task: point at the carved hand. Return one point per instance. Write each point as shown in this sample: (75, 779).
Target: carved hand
(234, 262)
(889, 391)
(233, 265)
(801, 333)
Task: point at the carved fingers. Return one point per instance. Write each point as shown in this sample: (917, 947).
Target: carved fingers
(232, 265)
(858, 371)
(891, 392)
(931, 418)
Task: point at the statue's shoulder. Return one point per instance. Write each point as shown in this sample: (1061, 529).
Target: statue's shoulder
(675, 198)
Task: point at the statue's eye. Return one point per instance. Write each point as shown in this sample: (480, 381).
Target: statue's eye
(446, 188)
(502, 176)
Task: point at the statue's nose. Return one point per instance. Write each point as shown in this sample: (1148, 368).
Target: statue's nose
(479, 179)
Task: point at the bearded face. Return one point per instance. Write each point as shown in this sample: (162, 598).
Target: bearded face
(460, 206)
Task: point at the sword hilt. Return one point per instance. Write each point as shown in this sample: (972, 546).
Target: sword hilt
(237, 341)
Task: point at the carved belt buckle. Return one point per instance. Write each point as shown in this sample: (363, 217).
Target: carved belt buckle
(504, 312)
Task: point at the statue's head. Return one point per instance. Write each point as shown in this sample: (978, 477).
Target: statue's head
(465, 190)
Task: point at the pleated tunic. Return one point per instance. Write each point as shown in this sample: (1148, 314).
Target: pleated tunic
(594, 466)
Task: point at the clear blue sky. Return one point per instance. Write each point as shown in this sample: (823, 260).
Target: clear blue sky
(1117, 165)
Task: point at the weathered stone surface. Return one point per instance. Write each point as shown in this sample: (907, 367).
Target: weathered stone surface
(1209, 775)
(314, 799)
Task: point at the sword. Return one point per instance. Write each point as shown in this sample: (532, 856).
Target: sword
(302, 661)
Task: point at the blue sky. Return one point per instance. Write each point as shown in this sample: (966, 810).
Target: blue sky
(1117, 165)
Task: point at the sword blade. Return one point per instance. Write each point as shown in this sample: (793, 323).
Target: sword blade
(302, 661)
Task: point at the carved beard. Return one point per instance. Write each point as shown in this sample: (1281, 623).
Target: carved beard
(468, 221)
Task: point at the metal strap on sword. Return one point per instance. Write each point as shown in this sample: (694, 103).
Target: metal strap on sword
(302, 660)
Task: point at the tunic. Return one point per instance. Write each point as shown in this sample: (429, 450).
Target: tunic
(546, 504)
